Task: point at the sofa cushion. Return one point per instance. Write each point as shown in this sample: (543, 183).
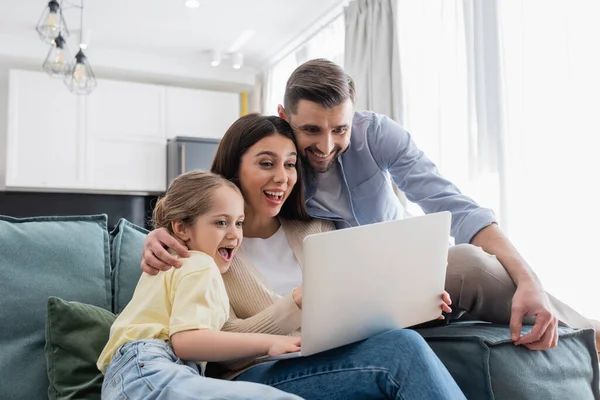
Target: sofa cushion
(126, 256)
(41, 257)
(486, 365)
(76, 334)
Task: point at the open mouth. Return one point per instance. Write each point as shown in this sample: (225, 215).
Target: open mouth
(275, 196)
(226, 253)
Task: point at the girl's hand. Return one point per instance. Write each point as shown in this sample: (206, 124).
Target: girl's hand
(446, 303)
(284, 344)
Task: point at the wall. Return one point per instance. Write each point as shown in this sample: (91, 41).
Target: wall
(135, 208)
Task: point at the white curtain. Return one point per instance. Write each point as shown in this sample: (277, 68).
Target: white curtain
(371, 56)
(448, 50)
(275, 79)
(552, 76)
(503, 96)
(327, 43)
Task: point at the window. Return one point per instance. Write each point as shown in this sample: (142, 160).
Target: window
(327, 43)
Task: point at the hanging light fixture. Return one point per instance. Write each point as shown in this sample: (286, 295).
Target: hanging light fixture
(52, 23)
(58, 61)
(80, 78)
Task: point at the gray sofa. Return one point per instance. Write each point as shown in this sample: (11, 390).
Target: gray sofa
(64, 278)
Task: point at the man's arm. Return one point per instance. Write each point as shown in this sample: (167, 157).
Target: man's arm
(493, 241)
(530, 298)
(418, 177)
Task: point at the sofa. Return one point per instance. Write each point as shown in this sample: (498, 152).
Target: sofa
(63, 279)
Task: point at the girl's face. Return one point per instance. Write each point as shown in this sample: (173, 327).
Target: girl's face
(268, 174)
(218, 232)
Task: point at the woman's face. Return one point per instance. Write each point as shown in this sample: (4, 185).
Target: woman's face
(268, 174)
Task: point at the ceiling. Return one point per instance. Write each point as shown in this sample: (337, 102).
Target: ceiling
(126, 32)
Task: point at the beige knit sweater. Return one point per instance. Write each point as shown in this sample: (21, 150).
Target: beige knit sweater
(255, 307)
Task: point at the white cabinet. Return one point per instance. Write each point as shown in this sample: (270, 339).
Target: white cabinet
(126, 139)
(111, 141)
(200, 113)
(44, 137)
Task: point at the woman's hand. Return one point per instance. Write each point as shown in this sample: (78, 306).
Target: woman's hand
(284, 344)
(297, 296)
(155, 257)
(446, 304)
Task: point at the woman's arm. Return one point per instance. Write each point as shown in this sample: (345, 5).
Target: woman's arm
(209, 345)
(281, 318)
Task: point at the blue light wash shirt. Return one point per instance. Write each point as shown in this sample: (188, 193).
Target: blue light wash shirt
(379, 146)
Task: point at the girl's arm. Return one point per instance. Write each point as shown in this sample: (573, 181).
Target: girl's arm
(281, 318)
(209, 345)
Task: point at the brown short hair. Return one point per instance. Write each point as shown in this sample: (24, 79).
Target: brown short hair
(189, 196)
(242, 135)
(320, 81)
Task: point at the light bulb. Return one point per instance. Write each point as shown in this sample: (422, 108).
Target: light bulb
(79, 73)
(59, 57)
(52, 20)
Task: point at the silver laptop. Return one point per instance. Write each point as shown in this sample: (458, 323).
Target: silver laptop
(361, 281)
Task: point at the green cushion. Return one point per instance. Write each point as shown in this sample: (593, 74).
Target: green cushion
(126, 257)
(486, 365)
(76, 334)
(41, 257)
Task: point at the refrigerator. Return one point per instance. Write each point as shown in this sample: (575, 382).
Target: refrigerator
(189, 153)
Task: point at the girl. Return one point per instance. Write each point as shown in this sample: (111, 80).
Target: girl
(177, 315)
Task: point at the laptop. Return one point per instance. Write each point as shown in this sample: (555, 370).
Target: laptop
(362, 281)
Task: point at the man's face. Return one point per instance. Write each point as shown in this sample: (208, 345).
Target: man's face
(322, 133)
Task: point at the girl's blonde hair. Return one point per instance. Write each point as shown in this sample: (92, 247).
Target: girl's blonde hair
(189, 196)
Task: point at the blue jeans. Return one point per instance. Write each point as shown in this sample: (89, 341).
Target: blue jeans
(397, 364)
(149, 369)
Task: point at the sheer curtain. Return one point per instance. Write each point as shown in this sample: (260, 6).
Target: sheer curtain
(327, 43)
(503, 95)
(552, 86)
(450, 91)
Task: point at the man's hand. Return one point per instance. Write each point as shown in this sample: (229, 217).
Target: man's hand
(155, 257)
(284, 344)
(530, 300)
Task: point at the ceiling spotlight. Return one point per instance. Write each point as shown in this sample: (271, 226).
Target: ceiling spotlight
(237, 60)
(86, 35)
(215, 58)
(192, 4)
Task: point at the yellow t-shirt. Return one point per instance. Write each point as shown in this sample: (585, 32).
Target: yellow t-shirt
(180, 299)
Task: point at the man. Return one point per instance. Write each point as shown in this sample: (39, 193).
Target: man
(349, 157)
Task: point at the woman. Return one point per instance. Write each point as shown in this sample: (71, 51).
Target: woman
(263, 283)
